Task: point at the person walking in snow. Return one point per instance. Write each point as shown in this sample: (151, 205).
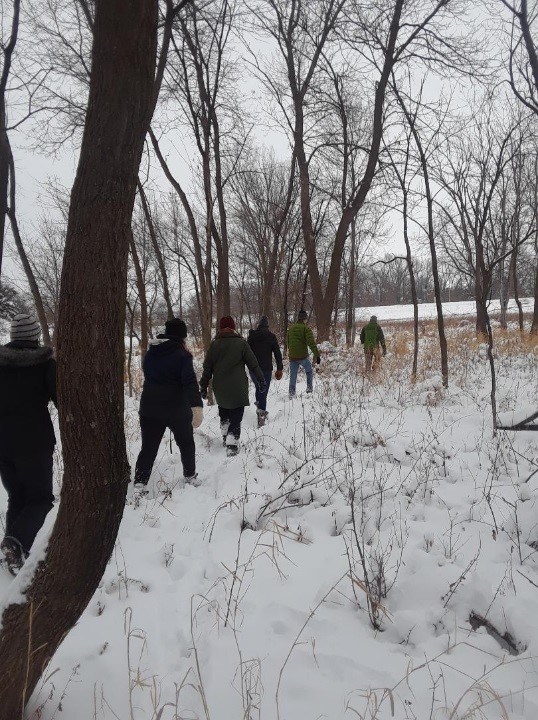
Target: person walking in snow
(27, 385)
(299, 339)
(225, 363)
(264, 345)
(170, 399)
(373, 341)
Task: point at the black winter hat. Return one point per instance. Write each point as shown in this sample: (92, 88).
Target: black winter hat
(303, 315)
(175, 329)
(263, 323)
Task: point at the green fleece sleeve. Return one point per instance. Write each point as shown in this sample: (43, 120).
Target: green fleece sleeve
(207, 373)
(381, 337)
(277, 353)
(310, 341)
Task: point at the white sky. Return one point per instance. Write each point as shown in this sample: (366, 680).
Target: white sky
(35, 168)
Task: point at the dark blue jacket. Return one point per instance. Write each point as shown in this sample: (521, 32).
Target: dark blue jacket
(170, 385)
(264, 345)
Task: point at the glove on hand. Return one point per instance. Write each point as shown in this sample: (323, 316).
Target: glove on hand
(197, 416)
(203, 393)
(278, 375)
(318, 360)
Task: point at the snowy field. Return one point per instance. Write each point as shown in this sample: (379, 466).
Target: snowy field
(428, 310)
(335, 568)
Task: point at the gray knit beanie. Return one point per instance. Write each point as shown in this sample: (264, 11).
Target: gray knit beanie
(25, 327)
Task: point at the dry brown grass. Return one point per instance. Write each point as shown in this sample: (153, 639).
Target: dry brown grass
(463, 344)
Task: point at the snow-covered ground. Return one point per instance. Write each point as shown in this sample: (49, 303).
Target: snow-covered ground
(366, 504)
(428, 310)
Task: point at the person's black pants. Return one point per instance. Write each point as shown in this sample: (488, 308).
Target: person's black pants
(261, 397)
(27, 478)
(230, 421)
(153, 430)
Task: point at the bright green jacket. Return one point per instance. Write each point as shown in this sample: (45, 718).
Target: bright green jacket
(372, 336)
(300, 338)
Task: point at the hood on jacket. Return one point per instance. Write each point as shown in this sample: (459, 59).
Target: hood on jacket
(259, 331)
(227, 333)
(13, 356)
(165, 346)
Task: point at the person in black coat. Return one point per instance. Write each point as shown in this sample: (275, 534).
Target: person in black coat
(170, 399)
(27, 385)
(264, 345)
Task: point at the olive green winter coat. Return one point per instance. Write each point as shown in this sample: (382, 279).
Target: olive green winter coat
(225, 362)
(300, 338)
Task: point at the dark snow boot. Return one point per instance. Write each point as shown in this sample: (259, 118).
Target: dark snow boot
(232, 450)
(224, 431)
(193, 480)
(14, 555)
(140, 491)
(262, 417)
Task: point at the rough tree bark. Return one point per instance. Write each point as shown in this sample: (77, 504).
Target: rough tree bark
(90, 363)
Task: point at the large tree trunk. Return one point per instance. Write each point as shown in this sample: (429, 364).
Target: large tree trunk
(90, 349)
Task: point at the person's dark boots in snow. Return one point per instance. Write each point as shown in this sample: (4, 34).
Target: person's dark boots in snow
(193, 480)
(262, 417)
(232, 446)
(140, 491)
(14, 555)
(224, 431)
(140, 486)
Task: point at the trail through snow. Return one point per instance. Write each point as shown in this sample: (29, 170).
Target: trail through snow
(246, 597)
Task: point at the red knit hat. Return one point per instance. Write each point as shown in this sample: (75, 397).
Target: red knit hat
(227, 322)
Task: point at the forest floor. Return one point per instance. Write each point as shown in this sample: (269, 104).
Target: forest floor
(367, 555)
